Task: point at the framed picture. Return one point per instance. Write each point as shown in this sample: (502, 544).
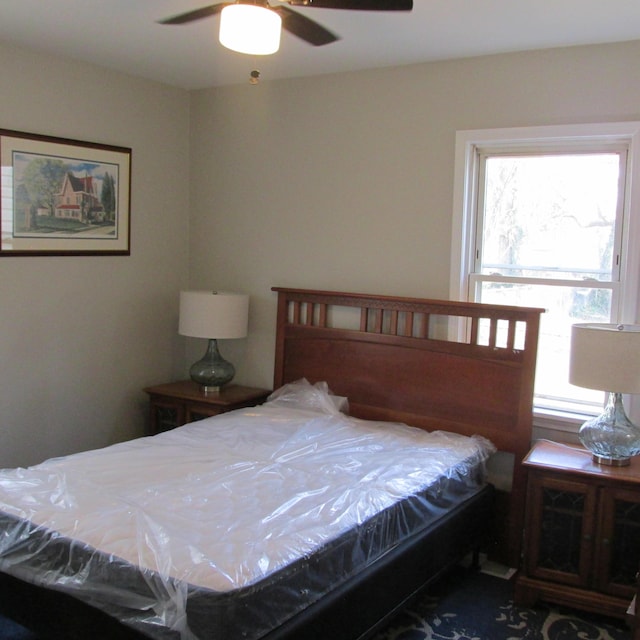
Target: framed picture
(63, 197)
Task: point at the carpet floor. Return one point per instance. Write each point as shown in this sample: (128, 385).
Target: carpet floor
(467, 605)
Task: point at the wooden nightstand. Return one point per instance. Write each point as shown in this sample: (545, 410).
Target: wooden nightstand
(178, 403)
(582, 531)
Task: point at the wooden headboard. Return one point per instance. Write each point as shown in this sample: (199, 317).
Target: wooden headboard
(462, 367)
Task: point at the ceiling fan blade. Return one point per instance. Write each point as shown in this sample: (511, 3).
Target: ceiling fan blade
(196, 14)
(355, 5)
(304, 28)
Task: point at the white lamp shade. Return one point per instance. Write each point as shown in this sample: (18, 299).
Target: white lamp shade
(605, 357)
(207, 314)
(249, 28)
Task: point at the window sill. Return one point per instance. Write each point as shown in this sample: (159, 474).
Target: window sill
(554, 420)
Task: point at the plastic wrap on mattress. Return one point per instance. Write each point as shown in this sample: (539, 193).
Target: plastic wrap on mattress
(227, 527)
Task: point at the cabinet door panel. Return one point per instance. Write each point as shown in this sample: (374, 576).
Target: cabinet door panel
(166, 416)
(561, 529)
(619, 547)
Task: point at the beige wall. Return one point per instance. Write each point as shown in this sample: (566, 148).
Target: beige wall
(345, 181)
(80, 336)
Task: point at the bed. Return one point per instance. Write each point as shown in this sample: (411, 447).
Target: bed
(259, 566)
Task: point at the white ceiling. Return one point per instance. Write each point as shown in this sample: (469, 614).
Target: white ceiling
(124, 35)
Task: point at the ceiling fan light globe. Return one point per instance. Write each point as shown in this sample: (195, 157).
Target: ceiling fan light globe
(251, 29)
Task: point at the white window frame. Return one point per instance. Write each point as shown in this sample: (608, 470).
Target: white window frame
(469, 145)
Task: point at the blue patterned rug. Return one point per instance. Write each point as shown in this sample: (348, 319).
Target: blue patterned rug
(468, 605)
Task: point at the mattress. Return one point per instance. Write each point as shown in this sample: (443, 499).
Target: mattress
(227, 527)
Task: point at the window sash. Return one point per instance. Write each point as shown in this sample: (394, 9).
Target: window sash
(573, 148)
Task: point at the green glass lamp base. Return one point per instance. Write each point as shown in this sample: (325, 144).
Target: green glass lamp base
(611, 437)
(212, 371)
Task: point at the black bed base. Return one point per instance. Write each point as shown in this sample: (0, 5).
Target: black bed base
(353, 611)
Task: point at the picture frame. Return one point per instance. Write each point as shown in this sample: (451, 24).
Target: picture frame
(63, 197)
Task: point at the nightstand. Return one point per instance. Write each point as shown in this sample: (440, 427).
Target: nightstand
(178, 403)
(582, 531)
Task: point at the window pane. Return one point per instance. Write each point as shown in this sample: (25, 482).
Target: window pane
(550, 216)
(564, 306)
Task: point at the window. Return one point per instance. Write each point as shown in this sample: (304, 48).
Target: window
(546, 217)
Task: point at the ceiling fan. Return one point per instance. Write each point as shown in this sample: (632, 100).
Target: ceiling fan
(270, 19)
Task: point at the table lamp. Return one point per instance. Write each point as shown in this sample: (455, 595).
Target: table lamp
(213, 315)
(607, 357)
